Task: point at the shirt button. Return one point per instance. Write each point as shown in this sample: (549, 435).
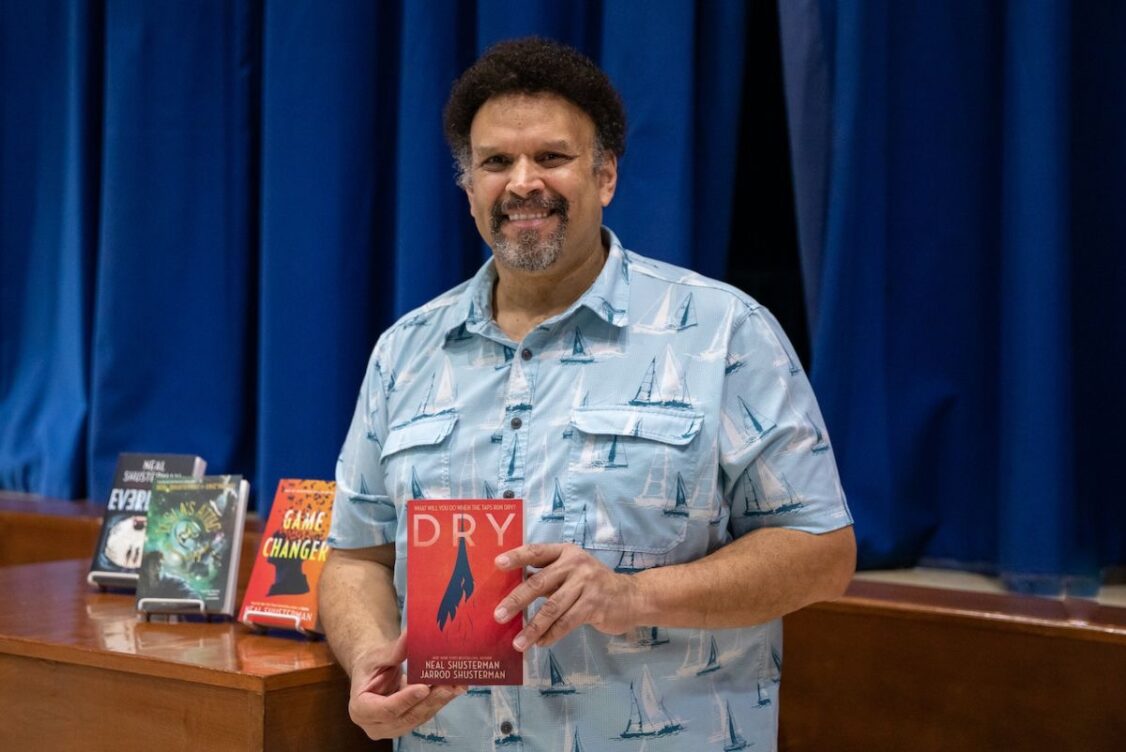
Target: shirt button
(506, 728)
(509, 494)
(526, 354)
(516, 423)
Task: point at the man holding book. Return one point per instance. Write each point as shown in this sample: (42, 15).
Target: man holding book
(680, 494)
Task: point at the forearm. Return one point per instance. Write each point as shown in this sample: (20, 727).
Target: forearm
(358, 607)
(761, 576)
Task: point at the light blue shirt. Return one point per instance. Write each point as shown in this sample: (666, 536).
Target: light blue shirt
(660, 416)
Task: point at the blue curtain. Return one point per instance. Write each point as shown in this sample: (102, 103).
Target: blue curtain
(212, 208)
(959, 170)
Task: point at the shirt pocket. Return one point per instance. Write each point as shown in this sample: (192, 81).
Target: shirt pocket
(628, 472)
(416, 457)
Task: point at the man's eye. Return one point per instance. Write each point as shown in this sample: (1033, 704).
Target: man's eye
(552, 158)
(494, 163)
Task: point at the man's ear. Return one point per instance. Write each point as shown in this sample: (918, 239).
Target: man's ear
(608, 179)
(467, 186)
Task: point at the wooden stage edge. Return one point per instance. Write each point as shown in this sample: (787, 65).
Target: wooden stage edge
(886, 667)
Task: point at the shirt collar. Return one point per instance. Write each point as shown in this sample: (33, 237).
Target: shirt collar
(607, 297)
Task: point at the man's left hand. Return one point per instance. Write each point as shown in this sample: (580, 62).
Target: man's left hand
(579, 589)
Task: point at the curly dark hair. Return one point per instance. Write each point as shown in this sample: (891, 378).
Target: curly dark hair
(531, 66)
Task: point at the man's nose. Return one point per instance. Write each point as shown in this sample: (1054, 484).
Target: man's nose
(525, 177)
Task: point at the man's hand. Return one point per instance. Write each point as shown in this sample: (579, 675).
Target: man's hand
(579, 590)
(382, 703)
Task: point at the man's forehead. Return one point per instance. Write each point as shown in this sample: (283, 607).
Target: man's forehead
(553, 121)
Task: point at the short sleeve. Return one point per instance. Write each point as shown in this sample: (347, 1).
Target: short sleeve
(363, 513)
(774, 448)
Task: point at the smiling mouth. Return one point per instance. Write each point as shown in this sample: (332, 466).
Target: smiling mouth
(527, 216)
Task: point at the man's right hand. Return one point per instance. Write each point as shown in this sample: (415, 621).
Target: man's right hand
(382, 703)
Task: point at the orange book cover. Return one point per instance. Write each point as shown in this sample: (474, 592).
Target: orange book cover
(282, 590)
(453, 587)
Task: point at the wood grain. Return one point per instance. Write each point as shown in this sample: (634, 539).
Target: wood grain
(78, 670)
(892, 667)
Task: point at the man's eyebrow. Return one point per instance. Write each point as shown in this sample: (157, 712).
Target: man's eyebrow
(484, 150)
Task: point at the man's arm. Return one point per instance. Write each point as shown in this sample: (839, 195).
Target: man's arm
(358, 608)
(360, 615)
(763, 575)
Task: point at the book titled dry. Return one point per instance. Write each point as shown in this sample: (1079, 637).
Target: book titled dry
(453, 587)
(282, 590)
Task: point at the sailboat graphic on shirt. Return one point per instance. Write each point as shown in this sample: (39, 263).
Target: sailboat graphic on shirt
(820, 444)
(555, 514)
(665, 317)
(648, 716)
(579, 353)
(611, 454)
(712, 663)
(416, 485)
(767, 494)
(440, 397)
(733, 736)
(665, 386)
(559, 685)
(685, 315)
(679, 506)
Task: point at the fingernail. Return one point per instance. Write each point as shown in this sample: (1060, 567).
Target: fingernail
(500, 614)
(520, 642)
(502, 560)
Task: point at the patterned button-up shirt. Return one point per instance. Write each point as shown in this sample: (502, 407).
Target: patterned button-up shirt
(660, 416)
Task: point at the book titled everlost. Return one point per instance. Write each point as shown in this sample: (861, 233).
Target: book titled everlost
(192, 542)
(117, 555)
(282, 591)
(453, 587)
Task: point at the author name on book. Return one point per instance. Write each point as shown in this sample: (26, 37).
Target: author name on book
(463, 669)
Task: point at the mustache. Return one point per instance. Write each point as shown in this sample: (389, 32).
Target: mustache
(501, 208)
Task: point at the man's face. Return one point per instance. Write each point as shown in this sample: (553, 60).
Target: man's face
(533, 189)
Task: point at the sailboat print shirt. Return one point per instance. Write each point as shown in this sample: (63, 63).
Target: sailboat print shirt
(659, 417)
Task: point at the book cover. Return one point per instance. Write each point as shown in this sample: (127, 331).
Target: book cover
(282, 590)
(453, 587)
(117, 555)
(192, 541)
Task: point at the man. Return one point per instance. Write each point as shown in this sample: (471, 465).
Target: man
(680, 494)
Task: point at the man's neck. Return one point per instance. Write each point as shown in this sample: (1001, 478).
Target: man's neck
(521, 300)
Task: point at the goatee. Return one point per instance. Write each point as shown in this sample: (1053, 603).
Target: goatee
(529, 251)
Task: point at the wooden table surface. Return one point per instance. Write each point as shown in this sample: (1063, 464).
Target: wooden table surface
(76, 663)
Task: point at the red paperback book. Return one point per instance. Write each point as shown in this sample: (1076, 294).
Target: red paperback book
(282, 590)
(453, 587)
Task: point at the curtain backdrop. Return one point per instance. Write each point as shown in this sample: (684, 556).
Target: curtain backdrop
(210, 209)
(960, 170)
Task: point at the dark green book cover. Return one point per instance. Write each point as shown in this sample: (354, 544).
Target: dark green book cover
(192, 543)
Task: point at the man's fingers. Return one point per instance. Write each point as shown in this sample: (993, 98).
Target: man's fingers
(377, 708)
(530, 555)
(553, 613)
(538, 585)
(394, 715)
